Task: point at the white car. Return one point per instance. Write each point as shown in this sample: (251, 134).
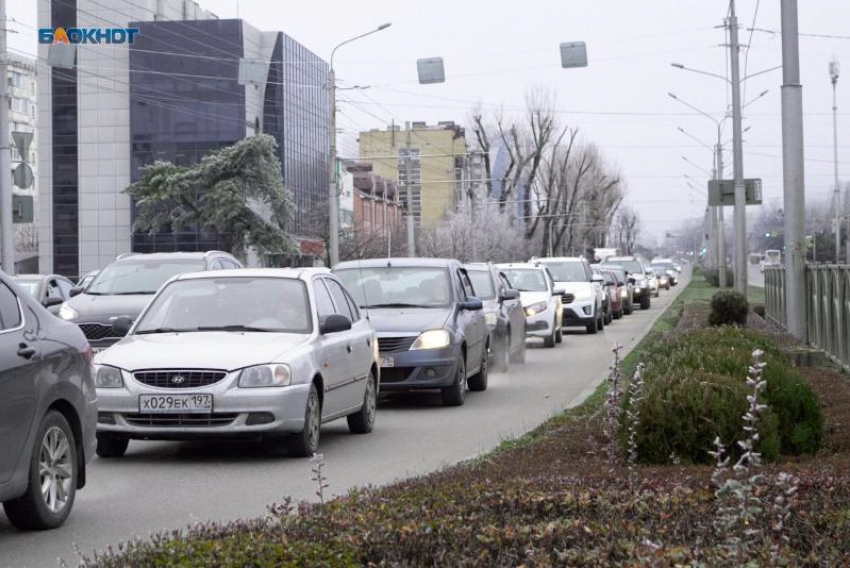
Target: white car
(652, 280)
(259, 353)
(540, 299)
(583, 296)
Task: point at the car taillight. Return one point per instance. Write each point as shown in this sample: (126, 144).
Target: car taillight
(88, 354)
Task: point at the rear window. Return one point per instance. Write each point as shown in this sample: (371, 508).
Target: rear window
(142, 276)
(482, 283)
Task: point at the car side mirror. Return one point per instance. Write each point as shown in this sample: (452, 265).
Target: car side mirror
(121, 325)
(472, 303)
(75, 291)
(509, 294)
(558, 291)
(52, 301)
(335, 324)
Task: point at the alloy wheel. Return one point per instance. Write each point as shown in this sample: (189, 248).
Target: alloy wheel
(55, 469)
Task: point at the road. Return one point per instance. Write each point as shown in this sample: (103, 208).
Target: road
(160, 485)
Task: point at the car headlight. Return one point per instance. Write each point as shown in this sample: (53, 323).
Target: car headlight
(535, 309)
(434, 339)
(277, 375)
(624, 293)
(490, 319)
(107, 377)
(66, 312)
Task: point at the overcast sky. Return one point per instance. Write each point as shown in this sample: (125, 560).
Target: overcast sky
(496, 51)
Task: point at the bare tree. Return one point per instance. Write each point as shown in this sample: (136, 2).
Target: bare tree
(26, 237)
(627, 228)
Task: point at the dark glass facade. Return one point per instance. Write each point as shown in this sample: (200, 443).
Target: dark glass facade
(65, 142)
(305, 143)
(181, 108)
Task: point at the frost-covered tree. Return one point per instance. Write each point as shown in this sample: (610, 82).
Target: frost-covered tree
(236, 193)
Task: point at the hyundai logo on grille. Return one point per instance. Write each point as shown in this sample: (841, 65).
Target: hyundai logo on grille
(178, 379)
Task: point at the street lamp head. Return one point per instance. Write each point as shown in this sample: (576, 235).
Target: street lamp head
(763, 93)
(384, 26)
(834, 69)
(672, 96)
(677, 65)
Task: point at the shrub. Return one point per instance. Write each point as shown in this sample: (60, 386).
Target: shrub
(712, 276)
(728, 308)
(695, 390)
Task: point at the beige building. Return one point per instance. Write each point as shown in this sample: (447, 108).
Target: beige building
(438, 154)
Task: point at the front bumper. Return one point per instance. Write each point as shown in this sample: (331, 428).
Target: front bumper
(233, 411)
(540, 324)
(579, 313)
(419, 370)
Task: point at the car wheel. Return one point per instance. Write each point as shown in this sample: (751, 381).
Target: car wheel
(549, 342)
(518, 356)
(52, 478)
(645, 302)
(593, 327)
(305, 443)
(363, 421)
(110, 446)
(559, 335)
(630, 309)
(478, 382)
(455, 395)
(501, 356)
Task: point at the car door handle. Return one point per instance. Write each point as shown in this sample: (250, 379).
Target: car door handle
(348, 348)
(26, 351)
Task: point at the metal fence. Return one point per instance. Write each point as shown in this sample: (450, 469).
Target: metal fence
(827, 306)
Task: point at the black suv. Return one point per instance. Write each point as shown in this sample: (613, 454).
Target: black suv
(124, 288)
(48, 411)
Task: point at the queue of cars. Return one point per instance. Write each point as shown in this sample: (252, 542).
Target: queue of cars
(192, 345)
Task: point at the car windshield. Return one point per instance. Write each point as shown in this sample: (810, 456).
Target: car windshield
(142, 276)
(566, 271)
(276, 305)
(632, 266)
(526, 279)
(482, 283)
(398, 286)
(29, 286)
(618, 273)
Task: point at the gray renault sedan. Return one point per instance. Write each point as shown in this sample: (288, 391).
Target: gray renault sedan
(431, 332)
(48, 411)
(250, 353)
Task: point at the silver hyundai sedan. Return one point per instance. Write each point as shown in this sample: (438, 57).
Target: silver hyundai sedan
(259, 353)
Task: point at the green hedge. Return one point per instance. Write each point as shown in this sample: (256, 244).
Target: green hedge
(695, 390)
(728, 308)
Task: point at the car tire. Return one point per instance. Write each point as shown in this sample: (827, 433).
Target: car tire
(55, 446)
(455, 395)
(363, 421)
(559, 335)
(618, 314)
(549, 342)
(501, 356)
(110, 446)
(478, 382)
(593, 327)
(305, 443)
(645, 302)
(518, 356)
(629, 310)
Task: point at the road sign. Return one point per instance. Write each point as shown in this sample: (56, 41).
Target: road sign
(573, 54)
(431, 70)
(722, 192)
(22, 209)
(22, 176)
(22, 142)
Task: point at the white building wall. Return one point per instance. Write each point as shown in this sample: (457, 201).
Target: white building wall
(24, 117)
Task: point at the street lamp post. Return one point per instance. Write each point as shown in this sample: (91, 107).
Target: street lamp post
(833, 75)
(333, 185)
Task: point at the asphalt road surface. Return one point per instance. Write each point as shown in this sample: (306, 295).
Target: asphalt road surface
(168, 485)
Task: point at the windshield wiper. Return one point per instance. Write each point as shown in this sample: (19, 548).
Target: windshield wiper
(234, 328)
(136, 293)
(398, 305)
(162, 330)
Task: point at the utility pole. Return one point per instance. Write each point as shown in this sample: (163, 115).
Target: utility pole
(833, 74)
(333, 191)
(740, 216)
(408, 175)
(721, 225)
(7, 233)
(793, 171)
